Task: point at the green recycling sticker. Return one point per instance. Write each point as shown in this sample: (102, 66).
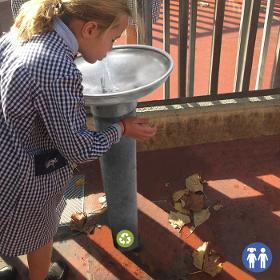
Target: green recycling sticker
(125, 238)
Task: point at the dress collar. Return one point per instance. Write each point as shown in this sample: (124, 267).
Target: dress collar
(66, 34)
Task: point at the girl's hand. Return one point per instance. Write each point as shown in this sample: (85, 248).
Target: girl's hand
(138, 128)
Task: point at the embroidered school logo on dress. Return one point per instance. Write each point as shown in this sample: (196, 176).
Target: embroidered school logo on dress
(51, 163)
(257, 257)
(48, 161)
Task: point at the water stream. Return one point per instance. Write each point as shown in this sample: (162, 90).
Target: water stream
(106, 82)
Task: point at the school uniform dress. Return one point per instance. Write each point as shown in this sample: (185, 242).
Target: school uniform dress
(156, 4)
(132, 4)
(42, 133)
(15, 6)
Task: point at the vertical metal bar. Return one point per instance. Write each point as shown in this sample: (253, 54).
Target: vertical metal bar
(192, 40)
(166, 42)
(243, 37)
(148, 22)
(144, 18)
(254, 18)
(182, 42)
(216, 46)
(140, 21)
(275, 76)
(265, 42)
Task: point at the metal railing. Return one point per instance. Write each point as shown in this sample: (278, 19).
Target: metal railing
(187, 36)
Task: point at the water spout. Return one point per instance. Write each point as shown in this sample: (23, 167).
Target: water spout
(106, 81)
(103, 85)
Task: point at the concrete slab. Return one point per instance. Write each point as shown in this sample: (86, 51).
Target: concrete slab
(243, 175)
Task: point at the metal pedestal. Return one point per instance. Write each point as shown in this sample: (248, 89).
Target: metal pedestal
(119, 175)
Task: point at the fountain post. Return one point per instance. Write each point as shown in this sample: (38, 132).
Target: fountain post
(119, 173)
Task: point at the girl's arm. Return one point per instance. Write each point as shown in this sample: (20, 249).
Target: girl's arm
(61, 108)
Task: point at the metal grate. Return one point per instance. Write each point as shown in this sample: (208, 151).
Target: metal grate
(74, 197)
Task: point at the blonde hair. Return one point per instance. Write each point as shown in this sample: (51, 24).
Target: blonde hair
(37, 16)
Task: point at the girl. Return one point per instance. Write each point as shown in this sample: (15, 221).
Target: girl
(131, 32)
(132, 4)
(42, 119)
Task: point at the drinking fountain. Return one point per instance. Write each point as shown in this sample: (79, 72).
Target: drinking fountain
(111, 88)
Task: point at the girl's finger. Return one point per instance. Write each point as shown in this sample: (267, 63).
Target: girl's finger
(142, 120)
(148, 130)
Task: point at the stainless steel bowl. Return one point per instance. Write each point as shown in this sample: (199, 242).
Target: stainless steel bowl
(134, 72)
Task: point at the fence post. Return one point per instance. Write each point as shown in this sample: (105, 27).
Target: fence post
(182, 46)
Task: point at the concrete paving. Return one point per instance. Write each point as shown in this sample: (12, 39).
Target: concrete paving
(243, 175)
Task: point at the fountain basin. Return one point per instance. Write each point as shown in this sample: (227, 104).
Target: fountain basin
(134, 72)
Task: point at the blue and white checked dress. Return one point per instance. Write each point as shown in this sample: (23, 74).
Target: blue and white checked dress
(156, 4)
(15, 6)
(42, 108)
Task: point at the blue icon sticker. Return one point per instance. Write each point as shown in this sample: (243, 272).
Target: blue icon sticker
(257, 257)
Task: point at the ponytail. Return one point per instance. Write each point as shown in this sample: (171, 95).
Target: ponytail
(37, 16)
